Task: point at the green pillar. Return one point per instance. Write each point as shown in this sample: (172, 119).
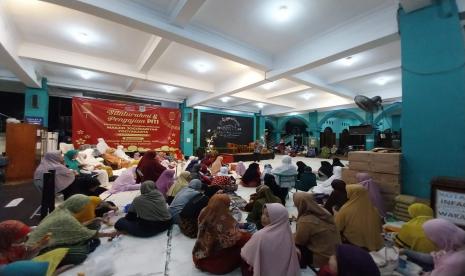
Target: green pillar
(433, 85)
(369, 138)
(187, 130)
(261, 128)
(36, 104)
(314, 129)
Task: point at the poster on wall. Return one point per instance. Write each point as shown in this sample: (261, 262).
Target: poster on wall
(448, 199)
(228, 128)
(136, 127)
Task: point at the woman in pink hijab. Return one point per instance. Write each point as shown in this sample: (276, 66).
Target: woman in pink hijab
(125, 182)
(263, 254)
(366, 181)
(165, 181)
(450, 239)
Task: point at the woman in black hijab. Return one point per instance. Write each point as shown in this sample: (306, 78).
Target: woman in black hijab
(337, 162)
(338, 197)
(300, 169)
(270, 181)
(251, 177)
(326, 170)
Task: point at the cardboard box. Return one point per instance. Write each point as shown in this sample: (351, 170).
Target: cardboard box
(348, 175)
(391, 158)
(360, 166)
(388, 183)
(385, 168)
(362, 156)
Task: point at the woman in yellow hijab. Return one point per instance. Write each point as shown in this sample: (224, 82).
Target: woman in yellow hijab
(358, 221)
(411, 235)
(87, 214)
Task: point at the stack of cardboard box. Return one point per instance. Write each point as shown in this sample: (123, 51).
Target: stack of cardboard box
(384, 168)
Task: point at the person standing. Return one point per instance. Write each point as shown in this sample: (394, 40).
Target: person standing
(257, 151)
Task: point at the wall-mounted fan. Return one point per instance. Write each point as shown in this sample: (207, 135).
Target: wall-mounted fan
(370, 105)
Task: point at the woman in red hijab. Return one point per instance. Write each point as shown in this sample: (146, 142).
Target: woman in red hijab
(13, 234)
(149, 168)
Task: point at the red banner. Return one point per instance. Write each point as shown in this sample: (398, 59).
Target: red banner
(136, 127)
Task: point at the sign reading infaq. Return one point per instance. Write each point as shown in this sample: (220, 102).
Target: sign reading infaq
(451, 206)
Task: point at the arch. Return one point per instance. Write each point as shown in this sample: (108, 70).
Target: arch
(282, 123)
(390, 110)
(338, 113)
(272, 122)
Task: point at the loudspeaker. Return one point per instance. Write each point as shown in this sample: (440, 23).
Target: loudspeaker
(191, 131)
(35, 101)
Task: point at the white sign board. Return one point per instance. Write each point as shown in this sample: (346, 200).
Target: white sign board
(450, 206)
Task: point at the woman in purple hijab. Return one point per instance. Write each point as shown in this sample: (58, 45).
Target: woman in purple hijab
(165, 181)
(366, 181)
(350, 260)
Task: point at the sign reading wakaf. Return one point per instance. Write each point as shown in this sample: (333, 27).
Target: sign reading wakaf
(133, 126)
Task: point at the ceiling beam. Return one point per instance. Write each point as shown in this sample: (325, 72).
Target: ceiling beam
(314, 82)
(185, 11)
(258, 97)
(360, 34)
(8, 52)
(80, 61)
(379, 68)
(135, 16)
(292, 90)
(131, 85)
(242, 82)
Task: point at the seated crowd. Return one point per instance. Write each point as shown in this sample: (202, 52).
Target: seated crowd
(336, 227)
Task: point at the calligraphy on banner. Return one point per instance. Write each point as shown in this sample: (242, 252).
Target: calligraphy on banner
(136, 127)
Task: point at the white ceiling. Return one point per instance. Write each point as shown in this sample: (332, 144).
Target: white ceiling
(139, 47)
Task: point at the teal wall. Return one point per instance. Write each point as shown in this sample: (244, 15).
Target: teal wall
(187, 124)
(433, 85)
(42, 97)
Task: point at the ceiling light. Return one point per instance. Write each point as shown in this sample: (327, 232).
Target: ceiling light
(381, 80)
(225, 99)
(168, 88)
(260, 105)
(269, 85)
(82, 36)
(307, 96)
(282, 13)
(86, 74)
(348, 61)
(293, 113)
(201, 67)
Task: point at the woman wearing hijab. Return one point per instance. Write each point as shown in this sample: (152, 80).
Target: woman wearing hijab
(266, 170)
(240, 168)
(115, 162)
(325, 187)
(165, 181)
(188, 217)
(264, 196)
(101, 175)
(216, 166)
(102, 146)
(307, 180)
(225, 181)
(263, 255)
(121, 154)
(411, 235)
(251, 177)
(205, 171)
(13, 234)
(71, 162)
(337, 163)
(67, 232)
(88, 161)
(300, 169)
(286, 168)
(450, 240)
(149, 168)
(219, 240)
(326, 170)
(358, 221)
(338, 196)
(148, 214)
(270, 182)
(64, 177)
(87, 214)
(316, 233)
(191, 165)
(350, 261)
(366, 181)
(189, 160)
(183, 197)
(181, 182)
(125, 182)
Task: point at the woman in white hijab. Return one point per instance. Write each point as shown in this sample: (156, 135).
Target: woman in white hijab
(121, 154)
(324, 187)
(102, 146)
(287, 169)
(102, 175)
(90, 163)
